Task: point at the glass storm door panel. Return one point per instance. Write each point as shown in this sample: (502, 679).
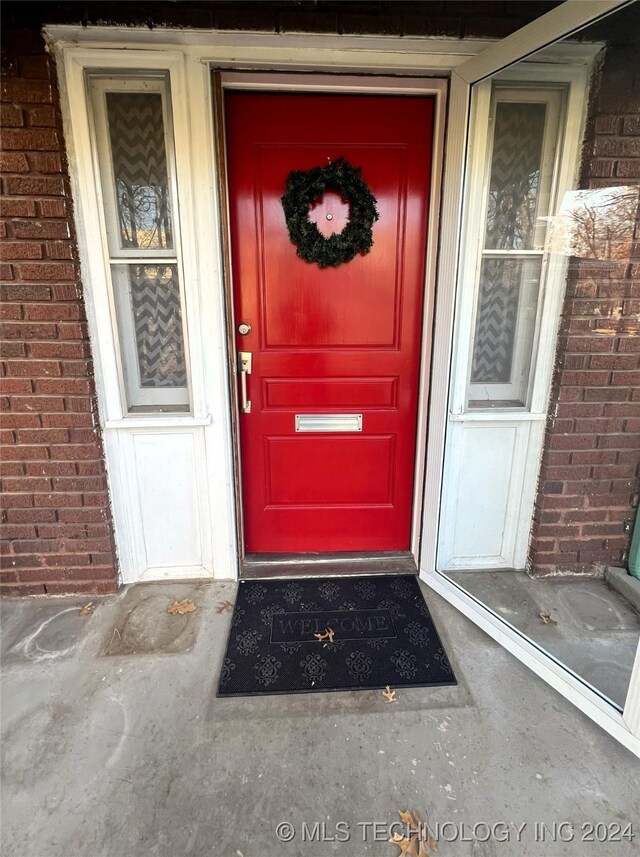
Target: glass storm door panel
(548, 232)
(337, 342)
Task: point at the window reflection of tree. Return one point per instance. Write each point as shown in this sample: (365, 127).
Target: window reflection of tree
(144, 216)
(597, 224)
(514, 184)
(512, 212)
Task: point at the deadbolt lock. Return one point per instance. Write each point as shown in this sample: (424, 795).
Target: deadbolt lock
(244, 328)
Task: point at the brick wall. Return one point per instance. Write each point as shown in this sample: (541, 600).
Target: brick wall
(590, 473)
(56, 527)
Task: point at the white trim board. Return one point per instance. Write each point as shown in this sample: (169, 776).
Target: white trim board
(297, 52)
(235, 49)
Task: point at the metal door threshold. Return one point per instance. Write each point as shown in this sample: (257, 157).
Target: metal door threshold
(327, 564)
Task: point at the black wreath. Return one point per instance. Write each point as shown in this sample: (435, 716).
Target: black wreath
(303, 187)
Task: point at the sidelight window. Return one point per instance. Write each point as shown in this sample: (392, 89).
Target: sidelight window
(133, 132)
(516, 200)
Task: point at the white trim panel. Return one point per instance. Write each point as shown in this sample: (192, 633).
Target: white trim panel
(160, 504)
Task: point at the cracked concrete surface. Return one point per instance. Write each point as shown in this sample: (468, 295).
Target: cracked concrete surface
(114, 744)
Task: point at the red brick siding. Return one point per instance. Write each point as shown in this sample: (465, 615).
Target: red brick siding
(589, 480)
(56, 521)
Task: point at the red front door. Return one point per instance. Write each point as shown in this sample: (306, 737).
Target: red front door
(341, 342)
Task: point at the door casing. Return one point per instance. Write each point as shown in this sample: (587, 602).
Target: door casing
(283, 82)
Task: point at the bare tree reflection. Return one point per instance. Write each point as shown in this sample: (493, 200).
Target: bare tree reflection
(596, 224)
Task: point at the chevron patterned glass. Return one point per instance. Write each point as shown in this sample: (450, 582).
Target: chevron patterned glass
(514, 182)
(139, 160)
(157, 325)
(148, 305)
(506, 315)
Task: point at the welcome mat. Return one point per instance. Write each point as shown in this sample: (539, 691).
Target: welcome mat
(296, 636)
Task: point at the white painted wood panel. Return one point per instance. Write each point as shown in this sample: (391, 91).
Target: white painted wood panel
(482, 495)
(486, 462)
(161, 503)
(168, 492)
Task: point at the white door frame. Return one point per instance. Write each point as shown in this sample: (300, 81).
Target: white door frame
(188, 57)
(407, 86)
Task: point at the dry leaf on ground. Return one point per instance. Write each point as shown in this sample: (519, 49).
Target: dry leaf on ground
(329, 634)
(179, 608)
(546, 618)
(423, 850)
(88, 609)
(410, 817)
(419, 833)
(390, 696)
(426, 847)
(224, 607)
(407, 846)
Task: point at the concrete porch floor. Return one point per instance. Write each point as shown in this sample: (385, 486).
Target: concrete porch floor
(114, 745)
(597, 630)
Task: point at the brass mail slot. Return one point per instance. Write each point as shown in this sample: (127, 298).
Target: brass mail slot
(328, 422)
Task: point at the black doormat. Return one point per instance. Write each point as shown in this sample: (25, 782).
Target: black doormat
(297, 636)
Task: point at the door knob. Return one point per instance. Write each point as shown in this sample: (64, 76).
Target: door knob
(244, 328)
